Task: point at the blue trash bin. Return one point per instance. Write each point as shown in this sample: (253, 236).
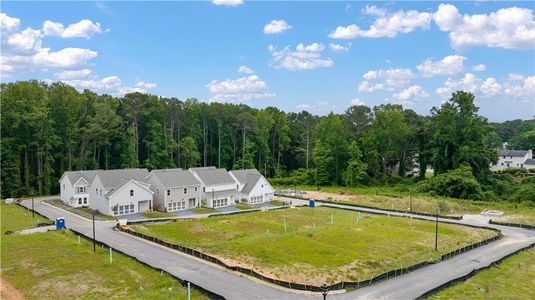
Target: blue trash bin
(311, 203)
(60, 223)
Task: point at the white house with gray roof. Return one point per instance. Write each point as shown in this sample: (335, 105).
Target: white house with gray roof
(174, 189)
(253, 185)
(120, 192)
(218, 187)
(514, 159)
(74, 187)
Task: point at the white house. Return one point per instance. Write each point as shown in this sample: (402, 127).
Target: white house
(174, 189)
(218, 187)
(74, 187)
(120, 192)
(513, 159)
(253, 185)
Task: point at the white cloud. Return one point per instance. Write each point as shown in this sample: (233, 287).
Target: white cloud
(385, 25)
(239, 90)
(471, 83)
(8, 23)
(83, 29)
(490, 87)
(509, 28)
(25, 41)
(373, 10)
(357, 101)
(76, 74)
(228, 2)
(339, 48)
(109, 85)
(520, 87)
(276, 26)
(303, 58)
(390, 79)
(411, 94)
(64, 58)
(479, 68)
(449, 65)
(245, 70)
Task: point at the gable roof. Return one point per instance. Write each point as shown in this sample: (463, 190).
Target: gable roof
(114, 179)
(249, 177)
(171, 178)
(74, 176)
(530, 161)
(513, 153)
(213, 176)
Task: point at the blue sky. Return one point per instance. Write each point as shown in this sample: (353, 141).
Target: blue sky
(316, 56)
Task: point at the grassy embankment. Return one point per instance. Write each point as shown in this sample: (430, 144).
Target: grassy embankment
(312, 250)
(422, 203)
(53, 265)
(514, 278)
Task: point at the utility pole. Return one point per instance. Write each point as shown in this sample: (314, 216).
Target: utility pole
(33, 209)
(94, 243)
(436, 229)
(410, 197)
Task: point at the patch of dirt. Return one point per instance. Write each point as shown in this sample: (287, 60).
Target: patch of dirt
(9, 292)
(74, 285)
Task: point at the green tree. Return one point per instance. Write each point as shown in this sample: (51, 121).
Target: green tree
(190, 153)
(356, 170)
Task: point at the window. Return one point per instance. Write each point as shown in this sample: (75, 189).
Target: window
(203, 189)
(174, 206)
(502, 164)
(125, 209)
(131, 193)
(85, 200)
(63, 186)
(237, 186)
(185, 190)
(196, 188)
(101, 192)
(79, 201)
(168, 192)
(220, 202)
(96, 191)
(157, 191)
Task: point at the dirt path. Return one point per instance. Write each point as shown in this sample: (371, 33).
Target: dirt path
(9, 292)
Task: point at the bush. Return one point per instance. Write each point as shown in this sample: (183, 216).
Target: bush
(457, 183)
(525, 194)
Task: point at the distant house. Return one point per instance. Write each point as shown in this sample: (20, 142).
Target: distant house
(74, 187)
(218, 187)
(174, 189)
(253, 185)
(120, 192)
(513, 159)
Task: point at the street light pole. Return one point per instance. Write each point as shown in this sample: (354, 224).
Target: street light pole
(33, 209)
(94, 245)
(436, 229)
(410, 197)
(324, 291)
(213, 197)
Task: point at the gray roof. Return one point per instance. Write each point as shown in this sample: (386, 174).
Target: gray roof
(213, 176)
(74, 176)
(112, 179)
(219, 194)
(513, 153)
(249, 177)
(171, 178)
(530, 161)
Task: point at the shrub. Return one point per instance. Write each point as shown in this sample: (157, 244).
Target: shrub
(525, 194)
(457, 183)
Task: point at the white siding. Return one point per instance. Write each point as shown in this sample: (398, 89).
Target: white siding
(263, 190)
(66, 190)
(159, 193)
(510, 162)
(97, 196)
(122, 196)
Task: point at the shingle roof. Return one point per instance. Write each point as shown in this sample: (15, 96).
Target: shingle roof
(112, 179)
(74, 176)
(249, 177)
(225, 193)
(530, 161)
(171, 178)
(213, 176)
(513, 153)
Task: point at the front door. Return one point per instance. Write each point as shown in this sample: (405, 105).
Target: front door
(191, 203)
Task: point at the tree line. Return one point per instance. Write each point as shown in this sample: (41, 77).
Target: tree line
(48, 128)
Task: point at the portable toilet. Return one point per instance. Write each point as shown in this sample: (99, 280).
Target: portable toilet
(60, 223)
(311, 203)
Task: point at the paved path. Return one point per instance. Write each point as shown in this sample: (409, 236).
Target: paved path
(237, 286)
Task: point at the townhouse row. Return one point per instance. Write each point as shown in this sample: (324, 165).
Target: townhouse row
(128, 191)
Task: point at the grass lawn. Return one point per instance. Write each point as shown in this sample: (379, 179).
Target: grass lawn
(91, 211)
(244, 206)
(157, 214)
(205, 210)
(514, 278)
(421, 203)
(277, 203)
(53, 265)
(312, 250)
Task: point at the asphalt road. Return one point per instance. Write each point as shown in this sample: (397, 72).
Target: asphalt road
(238, 286)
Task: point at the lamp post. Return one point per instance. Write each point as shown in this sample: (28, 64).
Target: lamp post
(410, 197)
(213, 197)
(94, 243)
(324, 291)
(436, 229)
(33, 209)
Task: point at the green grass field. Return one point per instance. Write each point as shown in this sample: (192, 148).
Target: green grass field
(157, 214)
(312, 250)
(514, 278)
(53, 265)
(367, 196)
